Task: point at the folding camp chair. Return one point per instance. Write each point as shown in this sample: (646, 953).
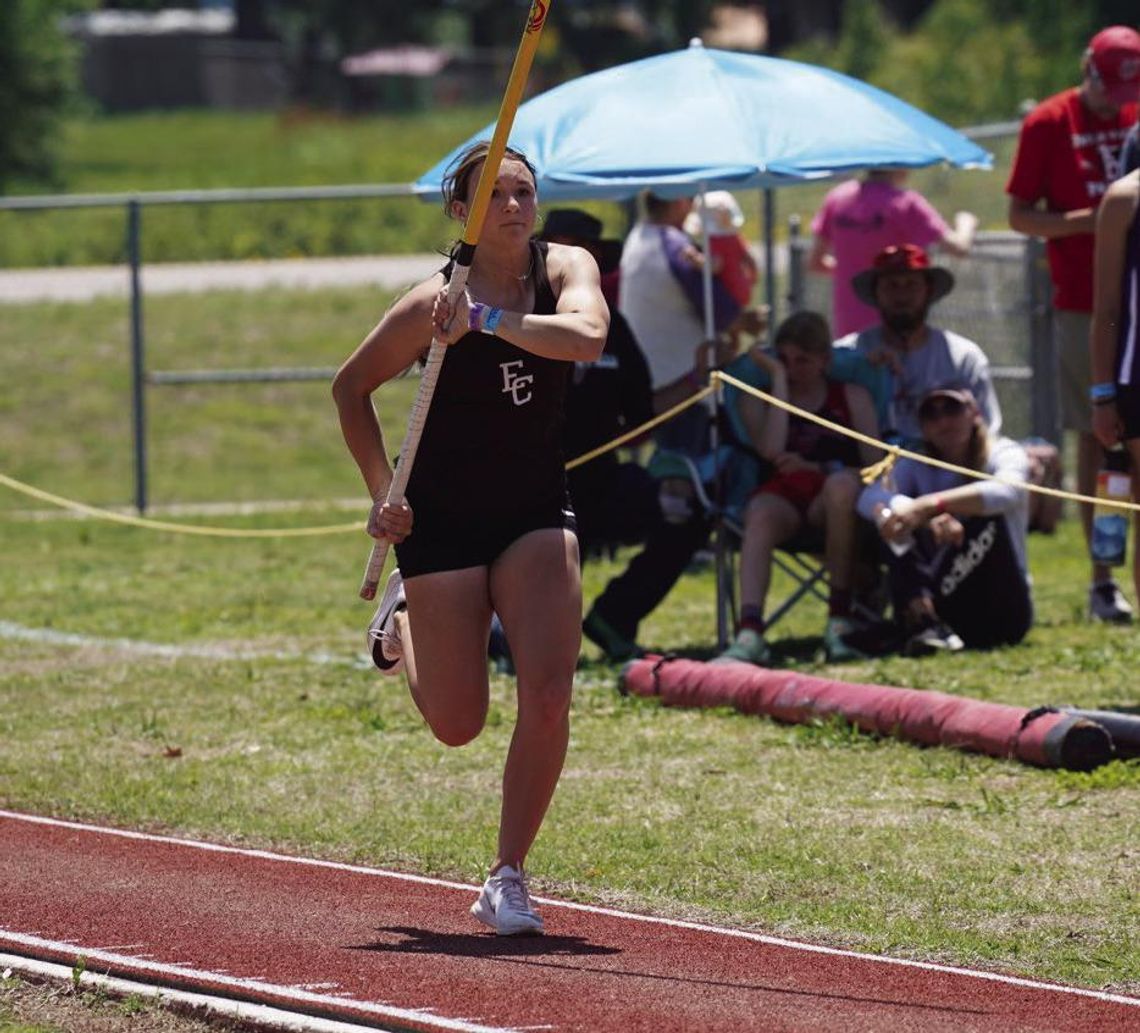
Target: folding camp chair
(800, 559)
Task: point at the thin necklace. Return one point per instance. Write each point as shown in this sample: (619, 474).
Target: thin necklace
(530, 269)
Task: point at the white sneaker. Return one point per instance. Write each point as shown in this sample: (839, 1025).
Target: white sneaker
(1107, 603)
(504, 904)
(383, 633)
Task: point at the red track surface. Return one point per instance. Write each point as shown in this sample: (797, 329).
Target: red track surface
(375, 948)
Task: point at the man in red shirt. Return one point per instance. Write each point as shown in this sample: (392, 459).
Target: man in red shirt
(1068, 152)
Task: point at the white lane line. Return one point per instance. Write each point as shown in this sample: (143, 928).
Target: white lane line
(740, 934)
(260, 1015)
(52, 636)
(422, 1016)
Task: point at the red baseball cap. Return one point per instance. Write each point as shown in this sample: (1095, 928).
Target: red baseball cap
(902, 258)
(1114, 55)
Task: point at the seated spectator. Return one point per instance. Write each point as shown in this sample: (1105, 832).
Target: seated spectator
(815, 482)
(618, 503)
(858, 219)
(957, 557)
(911, 355)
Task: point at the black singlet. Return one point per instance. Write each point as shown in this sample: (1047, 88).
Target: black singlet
(490, 459)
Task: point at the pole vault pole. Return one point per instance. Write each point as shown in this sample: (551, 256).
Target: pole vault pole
(459, 272)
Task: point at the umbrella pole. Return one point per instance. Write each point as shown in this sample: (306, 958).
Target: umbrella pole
(721, 564)
(770, 260)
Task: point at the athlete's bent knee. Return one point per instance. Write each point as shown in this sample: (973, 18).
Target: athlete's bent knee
(456, 727)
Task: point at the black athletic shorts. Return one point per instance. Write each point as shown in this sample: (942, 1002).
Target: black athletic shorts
(1128, 407)
(455, 542)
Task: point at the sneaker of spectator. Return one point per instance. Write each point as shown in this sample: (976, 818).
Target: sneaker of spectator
(748, 647)
(1107, 604)
(835, 640)
(932, 637)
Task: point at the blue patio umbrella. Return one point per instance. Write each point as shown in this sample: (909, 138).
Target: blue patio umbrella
(700, 118)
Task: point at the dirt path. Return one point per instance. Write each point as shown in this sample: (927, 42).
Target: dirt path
(67, 283)
(385, 950)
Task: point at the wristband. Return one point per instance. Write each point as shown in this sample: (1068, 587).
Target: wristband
(939, 505)
(491, 320)
(1102, 392)
(476, 315)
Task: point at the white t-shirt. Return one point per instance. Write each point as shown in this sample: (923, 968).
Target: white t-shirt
(663, 319)
(943, 359)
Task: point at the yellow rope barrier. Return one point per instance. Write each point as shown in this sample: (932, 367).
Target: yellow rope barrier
(163, 525)
(296, 532)
(648, 425)
(895, 452)
(869, 474)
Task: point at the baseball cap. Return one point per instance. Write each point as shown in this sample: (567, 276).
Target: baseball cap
(575, 224)
(1114, 55)
(956, 392)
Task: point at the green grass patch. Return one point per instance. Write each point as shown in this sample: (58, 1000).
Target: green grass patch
(65, 417)
(214, 150)
(812, 831)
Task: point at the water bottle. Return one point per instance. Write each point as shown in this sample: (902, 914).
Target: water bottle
(1110, 525)
(899, 547)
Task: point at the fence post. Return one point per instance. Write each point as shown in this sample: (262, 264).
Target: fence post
(138, 360)
(795, 266)
(770, 260)
(1045, 400)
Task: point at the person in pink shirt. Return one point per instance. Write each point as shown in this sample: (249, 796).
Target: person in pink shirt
(858, 219)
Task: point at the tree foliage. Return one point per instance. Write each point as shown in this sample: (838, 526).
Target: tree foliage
(966, 61)
(37, 83)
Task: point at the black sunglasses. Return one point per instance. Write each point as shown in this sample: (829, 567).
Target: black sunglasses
(939, 407)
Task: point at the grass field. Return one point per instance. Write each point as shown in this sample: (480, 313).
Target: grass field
(203, 150)
(810, 831)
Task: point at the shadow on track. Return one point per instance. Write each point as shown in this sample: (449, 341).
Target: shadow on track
(480, 945)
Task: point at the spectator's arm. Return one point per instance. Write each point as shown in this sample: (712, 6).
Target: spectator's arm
(687, 270)
(1003, 494)
(708, 355)
(820, 259)
(1114, 219)
(1130, 155)
(959, 239)
(1026, 217)
(767, 425)
(864, 420)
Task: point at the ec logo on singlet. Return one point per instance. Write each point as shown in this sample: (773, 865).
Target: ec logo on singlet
(515, 384)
